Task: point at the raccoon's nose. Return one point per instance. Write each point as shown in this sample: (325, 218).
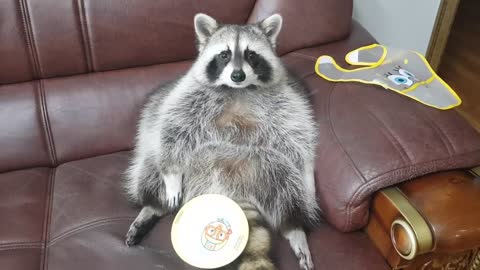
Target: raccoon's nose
(238, 76)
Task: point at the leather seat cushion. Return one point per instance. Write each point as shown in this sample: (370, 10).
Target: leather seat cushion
(76, 215)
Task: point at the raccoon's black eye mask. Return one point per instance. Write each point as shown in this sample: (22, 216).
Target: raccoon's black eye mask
(217, 64)
(259, 65)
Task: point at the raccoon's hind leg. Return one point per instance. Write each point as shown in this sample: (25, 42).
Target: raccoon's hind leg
(298, 241)
(144, 186)
(143, 223)
(255, 256)
(142, 179)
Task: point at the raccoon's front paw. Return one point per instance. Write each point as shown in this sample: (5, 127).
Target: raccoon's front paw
(173, 190)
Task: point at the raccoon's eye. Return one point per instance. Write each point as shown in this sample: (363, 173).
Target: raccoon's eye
(251, 55)
(224, 55)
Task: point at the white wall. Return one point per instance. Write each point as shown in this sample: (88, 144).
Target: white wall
(400, 23)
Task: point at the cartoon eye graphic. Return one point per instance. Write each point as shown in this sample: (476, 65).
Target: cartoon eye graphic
(221, 236)
(211, 231)
(399, 79)
(406, 73)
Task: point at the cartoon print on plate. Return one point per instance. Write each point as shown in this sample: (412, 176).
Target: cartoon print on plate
(216, 234)
(210, 231)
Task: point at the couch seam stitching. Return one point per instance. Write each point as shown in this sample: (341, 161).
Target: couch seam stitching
(88, 173)
(34, 41)
(47, 221)
(337, 140)
(449, 146)
(20, 243)
(29, 38)
(434, 128)
(84, 34)
(86, 226)
(305, 76)
(21, 247)
(30, 172)
(88, 37)
(301, 55)
(46, 123)
(182, 61)
(393, 141)
(334, 40)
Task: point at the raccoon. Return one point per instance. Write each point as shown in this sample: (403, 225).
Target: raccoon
(237, 124)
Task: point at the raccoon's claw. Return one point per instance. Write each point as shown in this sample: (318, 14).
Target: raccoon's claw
(306, 262)
(173, 190)
(174, 201)
(299, 244)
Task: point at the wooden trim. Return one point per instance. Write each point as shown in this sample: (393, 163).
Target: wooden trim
(441, 31)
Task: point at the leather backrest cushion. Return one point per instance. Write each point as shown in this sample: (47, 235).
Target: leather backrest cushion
(49, 116)
(15, 64)
(56, 38)
(50, 38)
(52, 121)
(22, 127)
(96, 114)
(307, 22)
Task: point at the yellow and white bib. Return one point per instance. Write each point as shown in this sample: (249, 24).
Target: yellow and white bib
(405, 72)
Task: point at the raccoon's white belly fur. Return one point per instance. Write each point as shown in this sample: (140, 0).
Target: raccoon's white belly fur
(251, 145)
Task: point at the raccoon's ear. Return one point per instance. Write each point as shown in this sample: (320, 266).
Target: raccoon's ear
(271, 26)
(205, 26)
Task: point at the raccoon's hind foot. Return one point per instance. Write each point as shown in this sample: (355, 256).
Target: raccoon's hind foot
(255, 256)
(298, 241)
(142, 224)
(173, 190)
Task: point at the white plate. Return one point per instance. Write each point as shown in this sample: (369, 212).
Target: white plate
(209, 231)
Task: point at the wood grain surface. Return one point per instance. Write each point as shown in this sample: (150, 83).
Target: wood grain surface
(460, 65)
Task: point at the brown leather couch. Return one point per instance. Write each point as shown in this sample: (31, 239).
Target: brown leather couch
(74, 74)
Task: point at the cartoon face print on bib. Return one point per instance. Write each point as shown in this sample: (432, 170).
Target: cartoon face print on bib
(402, 77)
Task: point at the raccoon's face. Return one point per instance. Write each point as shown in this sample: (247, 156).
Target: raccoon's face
(237, 56)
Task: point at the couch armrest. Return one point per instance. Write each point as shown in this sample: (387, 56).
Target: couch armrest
(430, 219)
(371, 138)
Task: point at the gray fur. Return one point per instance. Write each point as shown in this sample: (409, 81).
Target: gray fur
(254, 143)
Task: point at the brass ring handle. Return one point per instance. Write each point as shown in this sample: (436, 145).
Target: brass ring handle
(407, 249)
(410, 233)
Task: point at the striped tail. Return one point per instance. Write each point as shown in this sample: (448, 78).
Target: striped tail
(255, 256)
